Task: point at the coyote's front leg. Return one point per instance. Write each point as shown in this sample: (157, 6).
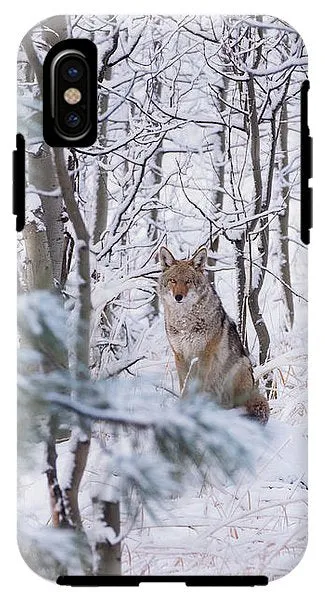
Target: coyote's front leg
(187, 373)
(182, 369)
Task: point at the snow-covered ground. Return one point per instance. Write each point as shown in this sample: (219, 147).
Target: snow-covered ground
(257, 525)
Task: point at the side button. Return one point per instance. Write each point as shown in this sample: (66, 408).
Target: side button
(306, 166)
(310, 201)
(310, 158)
(18, 182)
(306, 215)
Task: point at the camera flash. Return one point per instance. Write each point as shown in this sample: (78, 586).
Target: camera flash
(72, 96)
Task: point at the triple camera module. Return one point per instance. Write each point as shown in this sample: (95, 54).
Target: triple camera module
(70, 94)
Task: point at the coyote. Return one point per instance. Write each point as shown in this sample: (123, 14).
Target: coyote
(204, 340)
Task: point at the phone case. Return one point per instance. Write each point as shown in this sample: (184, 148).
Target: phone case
(162, 309)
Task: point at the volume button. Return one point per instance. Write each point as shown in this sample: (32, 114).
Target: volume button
(14, 182)
(310, 207)
(18, 183)
(307, 156)
(310, 157)
(306, 215)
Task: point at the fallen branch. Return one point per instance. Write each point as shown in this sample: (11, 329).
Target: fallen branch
(275, 363)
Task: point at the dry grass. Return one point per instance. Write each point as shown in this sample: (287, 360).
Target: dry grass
(258, 526)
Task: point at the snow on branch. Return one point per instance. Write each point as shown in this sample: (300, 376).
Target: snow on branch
(287, 64)
(192, 432)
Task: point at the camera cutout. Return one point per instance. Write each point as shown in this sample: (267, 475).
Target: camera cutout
(70, 94)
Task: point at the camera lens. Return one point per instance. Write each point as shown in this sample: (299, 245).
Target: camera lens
(72, 120)
(72, 70)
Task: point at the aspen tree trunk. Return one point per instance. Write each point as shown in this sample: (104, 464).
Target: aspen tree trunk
(39, 272)
(107, 553)
(48, 173)
(219, 195)
(156, 175)
(284, 217)
(80, 437)
(101, 209)
(42, 175)
(241, 292)
(41, 170)
(254, 291)
(153, 231)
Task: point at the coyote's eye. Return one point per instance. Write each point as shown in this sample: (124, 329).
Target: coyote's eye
(172, 281)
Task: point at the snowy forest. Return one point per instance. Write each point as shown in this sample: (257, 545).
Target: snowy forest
(198, 145)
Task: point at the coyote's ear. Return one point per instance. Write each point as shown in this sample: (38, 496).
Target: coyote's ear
(199, 259)
(166, 258)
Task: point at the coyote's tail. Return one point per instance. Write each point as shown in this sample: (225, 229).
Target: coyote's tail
(258, 407)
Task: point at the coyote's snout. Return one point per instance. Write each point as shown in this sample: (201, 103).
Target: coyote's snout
(204, 340)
